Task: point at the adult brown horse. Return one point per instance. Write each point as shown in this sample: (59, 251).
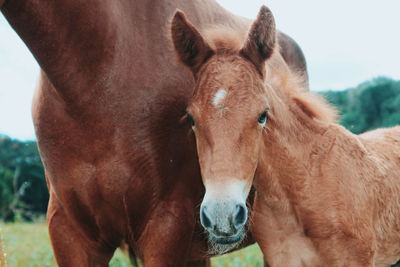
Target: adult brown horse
(120, 163)
(324, 197)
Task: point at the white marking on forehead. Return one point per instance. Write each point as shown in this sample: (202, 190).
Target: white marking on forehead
(219, 96)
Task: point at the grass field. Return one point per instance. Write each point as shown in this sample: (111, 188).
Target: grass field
(28, 245)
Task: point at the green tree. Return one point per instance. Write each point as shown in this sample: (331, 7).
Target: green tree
(370, 105)
(23, 192)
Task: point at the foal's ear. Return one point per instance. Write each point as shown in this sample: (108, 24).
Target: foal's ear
(261, 40)
(190, 46)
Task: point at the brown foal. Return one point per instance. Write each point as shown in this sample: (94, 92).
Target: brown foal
(324, 197)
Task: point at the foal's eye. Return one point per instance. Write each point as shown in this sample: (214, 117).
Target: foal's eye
(263, 118)
(190, 120)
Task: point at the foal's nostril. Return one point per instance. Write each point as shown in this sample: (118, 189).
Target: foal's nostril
(240, 216)
(204, 219)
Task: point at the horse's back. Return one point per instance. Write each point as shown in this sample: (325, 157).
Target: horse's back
(384, 141)
(383, 146)
(294, 57)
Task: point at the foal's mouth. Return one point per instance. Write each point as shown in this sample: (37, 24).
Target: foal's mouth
(224, 240)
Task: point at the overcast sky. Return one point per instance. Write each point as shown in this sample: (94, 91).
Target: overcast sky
(345, 42)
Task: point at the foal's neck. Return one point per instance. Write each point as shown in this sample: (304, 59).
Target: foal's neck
(290, 139)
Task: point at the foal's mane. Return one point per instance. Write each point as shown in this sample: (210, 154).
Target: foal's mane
(226, 40)
(291, 85)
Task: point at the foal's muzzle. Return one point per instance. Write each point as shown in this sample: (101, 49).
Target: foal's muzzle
(224, 221)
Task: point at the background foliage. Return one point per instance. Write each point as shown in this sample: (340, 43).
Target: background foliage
(370, 105)
(23, 192)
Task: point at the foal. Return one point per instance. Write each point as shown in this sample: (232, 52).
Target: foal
(324, 196)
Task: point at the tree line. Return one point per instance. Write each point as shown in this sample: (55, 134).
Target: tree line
(23, 191)
(372, 104)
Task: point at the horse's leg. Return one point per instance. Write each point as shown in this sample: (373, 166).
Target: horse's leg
(71, 248)
(200, 263)
(167, 238)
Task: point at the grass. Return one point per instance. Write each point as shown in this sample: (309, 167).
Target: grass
(28, 245)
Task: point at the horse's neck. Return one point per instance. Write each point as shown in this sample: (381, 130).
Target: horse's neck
(71, 40)
(93, 44)
(289, 128)
(290, 140)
